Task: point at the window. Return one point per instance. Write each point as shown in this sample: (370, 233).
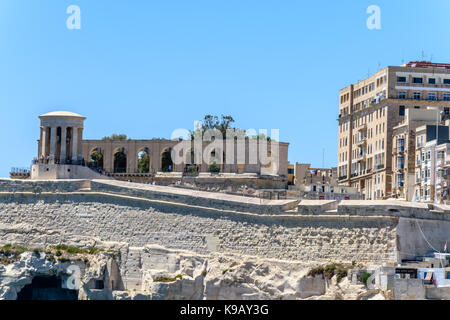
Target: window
(432, 96)
(431, 80)
(401, 111)
(416, 95)
(402, 95)
(446, 81)
(417, 80)
(401, 79)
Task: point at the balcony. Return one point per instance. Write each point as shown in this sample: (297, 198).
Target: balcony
(362, 142)
(361, 157)
(362, 127)
(379, 167)
(421, 98)
(342, 178)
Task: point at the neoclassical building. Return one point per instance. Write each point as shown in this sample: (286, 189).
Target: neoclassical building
(63, 153)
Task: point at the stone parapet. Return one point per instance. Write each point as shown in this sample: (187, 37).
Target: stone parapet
(38, 186)
(197, 198)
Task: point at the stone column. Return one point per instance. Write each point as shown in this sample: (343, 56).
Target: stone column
(44, 143)
(52, 143)
(63, 155)
(74, 144)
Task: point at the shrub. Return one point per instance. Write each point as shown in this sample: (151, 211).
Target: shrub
(316, 271)
(365, 277)
(214, 168)
(329, 271)
(58, 253)
(51, 258)
(167, 279)
(227, 270)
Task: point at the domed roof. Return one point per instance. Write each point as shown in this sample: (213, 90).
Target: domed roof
(62, 114)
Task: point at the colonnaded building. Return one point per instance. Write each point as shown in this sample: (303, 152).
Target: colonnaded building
(64, 154)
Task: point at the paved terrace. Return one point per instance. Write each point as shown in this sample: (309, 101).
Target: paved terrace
(214, 200)
(199, 198)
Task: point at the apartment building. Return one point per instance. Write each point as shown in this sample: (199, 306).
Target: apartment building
(317, 183)
(302, 173)
(425, 173)
(404, 151)
(368, 112)
(443, 173)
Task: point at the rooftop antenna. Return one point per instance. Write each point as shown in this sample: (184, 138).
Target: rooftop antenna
(423, 56)
(379, 65)
(323, 158)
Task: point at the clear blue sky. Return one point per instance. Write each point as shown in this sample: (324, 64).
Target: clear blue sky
(145, 68)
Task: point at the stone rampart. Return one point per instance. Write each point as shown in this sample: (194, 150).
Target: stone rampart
(50, 212)
(52, 218)
(197, 198)
(38, 186)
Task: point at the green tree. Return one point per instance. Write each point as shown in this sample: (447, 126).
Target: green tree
(211, 122)
(143, 162)
(116, 137)
(214, 168)
(96, 159)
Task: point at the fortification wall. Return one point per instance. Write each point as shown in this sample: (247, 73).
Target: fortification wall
(38, 186)
(52, 218)
(197, 198)
(49, 212)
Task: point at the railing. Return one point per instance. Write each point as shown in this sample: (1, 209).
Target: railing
(420, 98)
(81, 162)
(20, 171)
(342, 178)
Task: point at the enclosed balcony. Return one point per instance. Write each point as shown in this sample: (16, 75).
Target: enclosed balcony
(400, 145)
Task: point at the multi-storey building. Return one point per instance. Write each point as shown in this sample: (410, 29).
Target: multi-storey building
(426, 160)
(368, 112)
(317, 183)
(404, 151)
(443, 173)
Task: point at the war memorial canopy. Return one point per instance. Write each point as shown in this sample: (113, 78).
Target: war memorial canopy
(64, 154)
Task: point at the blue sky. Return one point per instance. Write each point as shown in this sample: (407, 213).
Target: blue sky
(145, 68)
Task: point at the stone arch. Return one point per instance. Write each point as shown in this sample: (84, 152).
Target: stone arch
(143, 160)
(120, 160)
(96, 158)
(166, 160)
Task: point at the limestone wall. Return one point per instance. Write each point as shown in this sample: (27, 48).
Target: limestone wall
(52, 218)
(52, 211)
(37, 186)
(197, 198)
